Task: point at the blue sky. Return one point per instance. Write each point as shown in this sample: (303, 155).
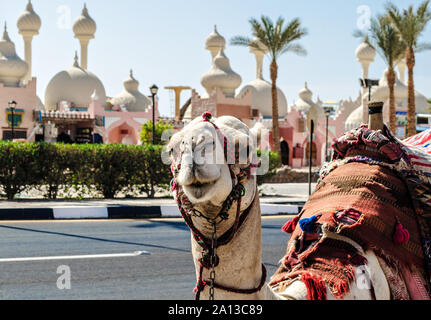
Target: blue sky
(163, 41)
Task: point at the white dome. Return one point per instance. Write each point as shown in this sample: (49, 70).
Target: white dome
(354, 120)
(74, 85)
(422, 105)
(381, 93)
(29, 21)
(40, 105)
(306, 105)
(221, 76)
(261, 97)
(84, 25)
(131, 98)
(215, 41)
(365, 52)
(12, 68)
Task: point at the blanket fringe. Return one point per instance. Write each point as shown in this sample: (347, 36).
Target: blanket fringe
(316, 289)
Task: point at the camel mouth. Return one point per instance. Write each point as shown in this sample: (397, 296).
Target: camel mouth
(199, 189)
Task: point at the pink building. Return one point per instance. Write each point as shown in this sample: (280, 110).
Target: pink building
(76, 107)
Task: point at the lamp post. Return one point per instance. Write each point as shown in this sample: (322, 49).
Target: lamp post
(12, 105)
(368, 83)
(327, 114)
(310, 155)
(154, 90)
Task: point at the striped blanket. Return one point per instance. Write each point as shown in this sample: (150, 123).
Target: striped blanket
(373, 181)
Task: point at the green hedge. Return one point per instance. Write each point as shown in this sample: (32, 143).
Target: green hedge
(274, 163)
(108, 169)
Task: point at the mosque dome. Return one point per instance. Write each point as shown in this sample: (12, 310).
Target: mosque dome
(221, 76)
(306, 105)
(381, 93)
(39, 105)
(422, 105)
(12, 68)
(84, 25)
(131, 98)
(354, 120)
(261, 97)
(215, 41)
(74, 85)
(365, 52)
(29, 21)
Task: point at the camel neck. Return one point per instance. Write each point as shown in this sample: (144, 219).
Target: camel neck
(240, 260)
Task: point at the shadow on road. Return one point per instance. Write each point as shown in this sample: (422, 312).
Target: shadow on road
(179, 225)
(92, 238)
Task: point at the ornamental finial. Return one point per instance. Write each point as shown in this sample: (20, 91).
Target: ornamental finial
(207, 116)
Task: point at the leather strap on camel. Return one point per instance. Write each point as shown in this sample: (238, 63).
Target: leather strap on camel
(208, 247)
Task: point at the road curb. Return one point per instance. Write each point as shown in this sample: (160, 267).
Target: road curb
(120, 212)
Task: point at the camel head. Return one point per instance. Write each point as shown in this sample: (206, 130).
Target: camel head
(210, 156)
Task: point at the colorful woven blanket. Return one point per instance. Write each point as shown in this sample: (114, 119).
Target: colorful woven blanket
(375, 191)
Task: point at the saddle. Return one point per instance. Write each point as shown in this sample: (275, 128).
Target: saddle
(376, 191)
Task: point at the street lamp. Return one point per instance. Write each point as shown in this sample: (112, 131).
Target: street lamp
(328, 111)
(310, 155)
(154, 90)
(12, 105)
(368, 83)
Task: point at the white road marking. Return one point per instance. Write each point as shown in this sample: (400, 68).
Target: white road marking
(90, 256)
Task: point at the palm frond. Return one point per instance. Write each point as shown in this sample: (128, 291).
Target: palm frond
(278, 38)
(410, 24)
(240, 41)
(386, 39)
(295, 48)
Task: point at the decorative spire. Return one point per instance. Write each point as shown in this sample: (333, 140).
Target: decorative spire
(131, 84)
(5, 33)
(29, 6)
(76, 63)
(85, 10)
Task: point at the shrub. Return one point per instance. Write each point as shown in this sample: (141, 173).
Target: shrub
(54, 164)
(274, 164)
(110, 170)
(18, 167)
(147, 132)
(107, 168)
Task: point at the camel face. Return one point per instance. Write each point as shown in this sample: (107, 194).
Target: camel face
(199, 155)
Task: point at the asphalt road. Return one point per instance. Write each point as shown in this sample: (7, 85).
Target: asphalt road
(167, 273)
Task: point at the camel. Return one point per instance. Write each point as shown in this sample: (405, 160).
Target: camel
(218, 198)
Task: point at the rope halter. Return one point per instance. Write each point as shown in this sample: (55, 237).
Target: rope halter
(209, 258)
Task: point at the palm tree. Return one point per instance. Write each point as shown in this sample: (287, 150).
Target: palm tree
(411, 25)
(277, 39)
(387, 40)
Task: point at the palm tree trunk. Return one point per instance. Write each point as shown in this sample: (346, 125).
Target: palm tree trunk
(274, 93)
(392, 110)
(411, 106)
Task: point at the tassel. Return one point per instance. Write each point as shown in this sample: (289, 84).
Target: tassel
(401, 234)
(308, 224)
(316, 289)
(290, 226)
(207, 116)
(173, 184)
